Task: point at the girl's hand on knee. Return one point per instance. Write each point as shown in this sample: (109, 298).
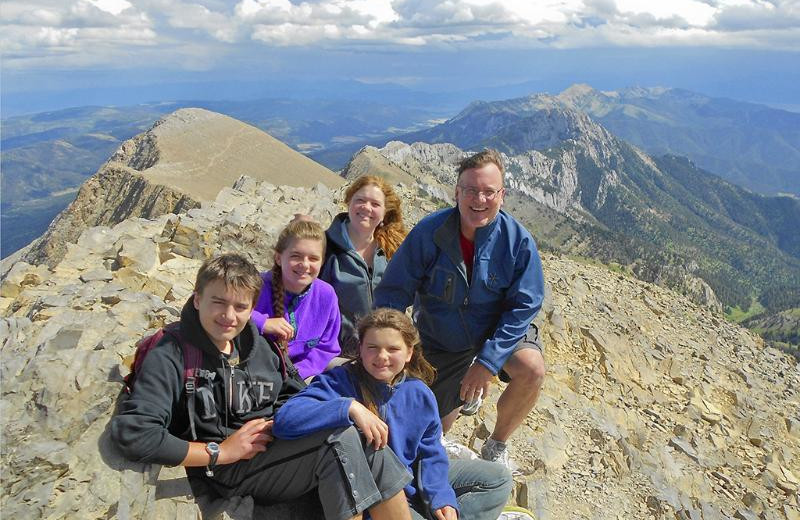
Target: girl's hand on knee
(278, 327)
(446, 513)
(374, 429)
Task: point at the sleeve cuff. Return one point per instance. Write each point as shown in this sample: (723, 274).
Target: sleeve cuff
(174, 450)
(491, 368)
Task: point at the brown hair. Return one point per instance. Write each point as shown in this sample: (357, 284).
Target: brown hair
(417, 367)
(393, 231)
(482, 158)
(235, 270)
(295, 230)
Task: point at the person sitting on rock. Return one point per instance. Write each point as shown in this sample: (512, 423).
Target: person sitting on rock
(360, 243)
(384, 393)
(241, 384)
(295, 308)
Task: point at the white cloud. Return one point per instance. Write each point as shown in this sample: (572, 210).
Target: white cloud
(194, 31)
(111, 6)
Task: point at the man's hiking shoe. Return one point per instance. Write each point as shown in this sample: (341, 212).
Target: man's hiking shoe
(496, 451)
(457, 451)
(472, 407)
(515, 513)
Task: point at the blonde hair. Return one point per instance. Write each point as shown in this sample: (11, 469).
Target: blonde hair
(393, 231)
(417, 366)
(295, 230)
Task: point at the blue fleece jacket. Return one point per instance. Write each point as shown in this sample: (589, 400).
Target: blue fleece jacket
(408, 408)
(490, 313)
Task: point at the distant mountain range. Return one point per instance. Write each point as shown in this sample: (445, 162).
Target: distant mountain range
(45, 156)
(587, 170)
(751, 145)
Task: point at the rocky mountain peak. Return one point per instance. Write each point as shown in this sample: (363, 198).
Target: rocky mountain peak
(653, 407)
(576, 91)
(645, 92)
(186, 157)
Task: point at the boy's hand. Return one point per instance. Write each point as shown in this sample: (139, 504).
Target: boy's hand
(278, 327)
(374, 429)
(246, 442)
(446, 513)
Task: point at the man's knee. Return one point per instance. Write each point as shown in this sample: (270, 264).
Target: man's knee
(526, 366)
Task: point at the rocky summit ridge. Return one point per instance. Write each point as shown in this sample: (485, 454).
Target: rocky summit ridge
(653, 406)
(186, 157)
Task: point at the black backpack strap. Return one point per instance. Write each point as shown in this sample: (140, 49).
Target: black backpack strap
(287, 367)
(192, 361)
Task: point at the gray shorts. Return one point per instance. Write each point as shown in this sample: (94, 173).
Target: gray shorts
(452, 366)
(349, 476)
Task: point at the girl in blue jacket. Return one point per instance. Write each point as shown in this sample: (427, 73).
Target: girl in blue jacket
(384, 393)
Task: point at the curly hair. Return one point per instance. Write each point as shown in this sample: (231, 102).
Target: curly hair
(392, 232)
(417, 367)
(295, 230)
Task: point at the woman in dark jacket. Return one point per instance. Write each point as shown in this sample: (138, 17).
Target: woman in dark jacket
(360, 243)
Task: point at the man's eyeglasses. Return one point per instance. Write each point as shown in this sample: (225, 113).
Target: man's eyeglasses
(473, 193)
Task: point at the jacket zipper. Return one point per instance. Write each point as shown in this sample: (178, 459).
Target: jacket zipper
(365, 267)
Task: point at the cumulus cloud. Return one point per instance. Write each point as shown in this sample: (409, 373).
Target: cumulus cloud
(81, 31)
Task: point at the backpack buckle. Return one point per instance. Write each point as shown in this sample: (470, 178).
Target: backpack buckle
(190, 386)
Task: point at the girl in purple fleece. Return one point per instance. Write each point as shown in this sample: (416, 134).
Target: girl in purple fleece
(295, 308)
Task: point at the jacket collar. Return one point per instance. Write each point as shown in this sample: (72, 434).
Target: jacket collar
(447, 235)
(337, 232)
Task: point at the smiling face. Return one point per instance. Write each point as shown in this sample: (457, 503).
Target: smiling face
(478, 210)
(384, 354)
(367, 208)
(300, 263)
(223, 312)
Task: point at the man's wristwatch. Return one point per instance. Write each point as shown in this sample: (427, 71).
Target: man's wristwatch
(212, 448)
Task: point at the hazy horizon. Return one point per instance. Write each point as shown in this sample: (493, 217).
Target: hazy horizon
(120, 52)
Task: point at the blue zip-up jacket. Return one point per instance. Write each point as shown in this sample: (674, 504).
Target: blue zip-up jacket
(352, 280)
(489, 315)
(408, 408)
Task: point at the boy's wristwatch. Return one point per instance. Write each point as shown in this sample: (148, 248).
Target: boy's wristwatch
(212, 448)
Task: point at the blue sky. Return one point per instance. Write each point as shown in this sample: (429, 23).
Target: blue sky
(57, 52)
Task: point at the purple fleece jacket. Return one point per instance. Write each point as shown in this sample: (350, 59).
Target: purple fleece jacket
(316, 321)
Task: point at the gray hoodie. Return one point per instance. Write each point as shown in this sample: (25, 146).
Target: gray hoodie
(352, 280)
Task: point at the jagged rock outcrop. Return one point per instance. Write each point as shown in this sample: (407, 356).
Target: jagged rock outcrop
(184, 158)
(113, 194)
(431, 167)
(653, 407)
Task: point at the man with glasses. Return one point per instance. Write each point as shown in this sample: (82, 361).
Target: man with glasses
(474, 277)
